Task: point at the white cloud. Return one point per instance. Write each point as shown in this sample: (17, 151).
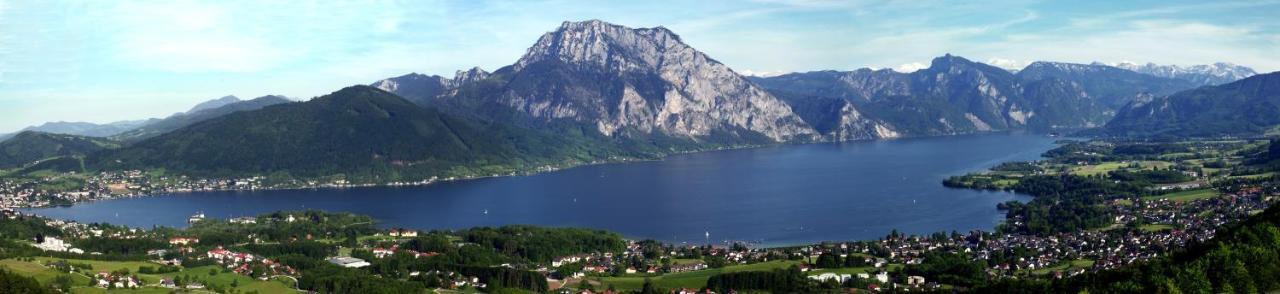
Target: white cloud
(910, 67)
(763, 73)
(1008, 64)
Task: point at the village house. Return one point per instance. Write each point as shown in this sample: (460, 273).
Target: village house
(839, 278)
(915, 280)
(403, 233)
(183, 241)
(383, 252)
(569, 259)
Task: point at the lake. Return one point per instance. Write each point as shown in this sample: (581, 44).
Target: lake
(778, 195)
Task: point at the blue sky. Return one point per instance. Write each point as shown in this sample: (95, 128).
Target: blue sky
(102, 61)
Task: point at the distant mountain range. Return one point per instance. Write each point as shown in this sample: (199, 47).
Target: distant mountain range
(592, 90)
(955, 95)
(83, 128)
(1201, 75)
(199, 113)
(137, 129)
(1248, 107)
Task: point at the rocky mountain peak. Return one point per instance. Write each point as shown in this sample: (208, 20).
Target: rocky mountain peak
(642, 81)
(463, 77)
(396, 84)
(952, 64)
(599, 43)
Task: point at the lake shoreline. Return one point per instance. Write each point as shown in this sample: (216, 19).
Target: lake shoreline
(560, 199)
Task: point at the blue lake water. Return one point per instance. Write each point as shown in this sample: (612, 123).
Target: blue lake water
(780, 195)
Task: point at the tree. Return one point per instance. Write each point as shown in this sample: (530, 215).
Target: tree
(647, 288)
(63, 283)
(829, 260)
(854, 261)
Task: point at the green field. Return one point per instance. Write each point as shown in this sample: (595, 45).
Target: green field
(1089, 170)
(854, 270)
(1186, 196)
(1255, 176)
(1074, 264)
(694, 279)
(1106, 167)
(45, 275)
(1155, 227)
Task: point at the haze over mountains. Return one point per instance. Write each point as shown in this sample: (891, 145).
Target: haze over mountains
(1203, 75)
(204, 111)
(593, 90)
(136, 129)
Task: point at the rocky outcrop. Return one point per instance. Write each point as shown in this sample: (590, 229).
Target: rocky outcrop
(638, 82)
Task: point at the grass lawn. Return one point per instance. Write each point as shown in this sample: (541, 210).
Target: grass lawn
(1257, 176)
(377, 238)
(685, 261)
(39, 272)
(694, 279)
(854, 270)
(1155, 227)
(104, 266)
(1105, 167)
(1186, 196)
(1005, 183)
(1176, 155)
(1151, 164)
(246, 284)
(1074, 264)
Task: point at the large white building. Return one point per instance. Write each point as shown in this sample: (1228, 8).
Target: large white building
(350, 262)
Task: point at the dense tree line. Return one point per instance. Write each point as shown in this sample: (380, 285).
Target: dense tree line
(543, 244)
(309, 249)
(26, 228)
(1161, 176)
(790, 280)
(137, 246)
(334, 279)
(949, 268)
(278, 227)
(1016, 166)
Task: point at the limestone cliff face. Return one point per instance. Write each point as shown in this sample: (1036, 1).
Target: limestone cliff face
(952, 96)
(642, 80)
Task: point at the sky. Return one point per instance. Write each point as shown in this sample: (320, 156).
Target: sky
(104, 61)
